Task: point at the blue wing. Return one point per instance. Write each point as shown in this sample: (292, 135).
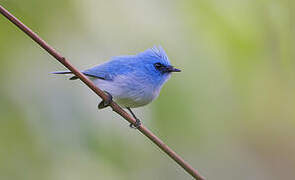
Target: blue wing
(116, 66)
(119, 65)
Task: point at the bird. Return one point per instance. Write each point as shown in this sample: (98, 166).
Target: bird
(131, 80)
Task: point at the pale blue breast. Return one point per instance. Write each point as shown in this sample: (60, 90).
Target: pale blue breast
(130, 90)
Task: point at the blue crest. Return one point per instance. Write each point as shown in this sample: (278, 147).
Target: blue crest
(157, 52)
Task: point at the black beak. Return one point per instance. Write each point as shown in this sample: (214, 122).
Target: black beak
(172, 69)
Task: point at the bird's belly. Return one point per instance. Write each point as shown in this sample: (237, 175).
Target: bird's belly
(131, 102)
(126, 95)
(134, 97)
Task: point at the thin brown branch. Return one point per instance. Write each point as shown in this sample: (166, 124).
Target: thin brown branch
(194, 173)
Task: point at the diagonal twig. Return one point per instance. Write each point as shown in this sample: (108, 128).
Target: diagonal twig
(188, 168)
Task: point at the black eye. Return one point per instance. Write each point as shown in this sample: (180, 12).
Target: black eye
(158, 65)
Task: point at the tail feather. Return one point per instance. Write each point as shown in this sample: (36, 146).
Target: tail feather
(62, 72)
(65, 72)
(74, 78)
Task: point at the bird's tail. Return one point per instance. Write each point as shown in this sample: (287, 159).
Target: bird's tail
(65, 72)
(62, 72)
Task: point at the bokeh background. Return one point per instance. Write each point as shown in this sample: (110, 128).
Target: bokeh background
(230, 113)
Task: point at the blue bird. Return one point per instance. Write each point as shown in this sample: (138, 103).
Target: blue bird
(133, 80)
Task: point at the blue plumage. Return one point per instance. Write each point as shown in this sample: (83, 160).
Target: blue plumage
(133, 80)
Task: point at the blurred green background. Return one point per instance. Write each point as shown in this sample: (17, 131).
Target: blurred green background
(230, 113)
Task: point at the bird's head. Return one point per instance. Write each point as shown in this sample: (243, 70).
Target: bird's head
(156, 61)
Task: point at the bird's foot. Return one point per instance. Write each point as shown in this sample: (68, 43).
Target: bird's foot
(136, 125)
(106, 103)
